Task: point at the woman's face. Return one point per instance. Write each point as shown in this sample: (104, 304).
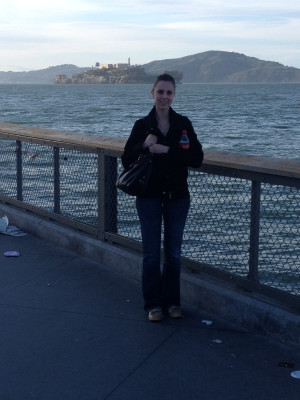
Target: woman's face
(163, 94)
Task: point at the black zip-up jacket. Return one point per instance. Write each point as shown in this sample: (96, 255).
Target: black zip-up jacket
(169, 171)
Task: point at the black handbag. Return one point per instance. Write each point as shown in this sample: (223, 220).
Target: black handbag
(134, 180)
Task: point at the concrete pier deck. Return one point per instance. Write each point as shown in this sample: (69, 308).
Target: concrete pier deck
(72, 329)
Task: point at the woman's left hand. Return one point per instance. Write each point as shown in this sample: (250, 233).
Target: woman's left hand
(158, 148)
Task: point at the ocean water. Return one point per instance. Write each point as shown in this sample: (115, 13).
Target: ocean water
(257, 119)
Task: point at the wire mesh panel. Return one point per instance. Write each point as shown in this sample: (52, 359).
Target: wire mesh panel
(279, 261)
(8, 181)
(78, 179)
(79, 186)
(128, 222)
(37, 162)
(217, 229)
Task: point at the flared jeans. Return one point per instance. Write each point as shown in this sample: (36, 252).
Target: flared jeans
(161, 286)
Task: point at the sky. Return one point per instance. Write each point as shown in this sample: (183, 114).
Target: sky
(36, 34)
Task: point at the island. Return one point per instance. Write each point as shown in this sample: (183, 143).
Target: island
(113, 75)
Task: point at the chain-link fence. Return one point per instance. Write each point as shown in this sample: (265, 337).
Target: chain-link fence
(244, 226)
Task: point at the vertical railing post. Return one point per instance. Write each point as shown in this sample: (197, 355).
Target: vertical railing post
(19, 171)
(107, 194)
(254, 231)
(56, 170)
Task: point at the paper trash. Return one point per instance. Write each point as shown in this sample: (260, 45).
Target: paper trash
(9, 229)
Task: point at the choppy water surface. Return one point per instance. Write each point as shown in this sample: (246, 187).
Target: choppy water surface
(259, 119)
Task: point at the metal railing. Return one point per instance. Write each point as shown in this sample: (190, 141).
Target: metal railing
(244, 220)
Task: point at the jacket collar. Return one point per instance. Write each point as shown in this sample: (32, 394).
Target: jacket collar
(153, 120)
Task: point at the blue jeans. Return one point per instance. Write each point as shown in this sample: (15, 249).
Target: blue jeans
(161, 288)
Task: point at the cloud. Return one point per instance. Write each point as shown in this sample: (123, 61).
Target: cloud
(41, 33)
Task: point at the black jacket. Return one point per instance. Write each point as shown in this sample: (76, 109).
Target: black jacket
(170, 171)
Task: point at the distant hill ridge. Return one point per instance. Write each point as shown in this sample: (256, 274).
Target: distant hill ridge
(225, 67)
(207, 67)
(46, 75)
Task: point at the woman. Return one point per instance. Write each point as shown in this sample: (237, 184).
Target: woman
(167, 196)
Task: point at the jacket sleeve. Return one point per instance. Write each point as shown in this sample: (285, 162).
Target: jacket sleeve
(191, 157)
(134, 145)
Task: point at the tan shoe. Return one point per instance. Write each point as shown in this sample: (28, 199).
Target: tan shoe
(156, 314)
(175, 312)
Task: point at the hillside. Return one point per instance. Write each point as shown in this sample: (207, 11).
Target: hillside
(224, 67)
(46, 75)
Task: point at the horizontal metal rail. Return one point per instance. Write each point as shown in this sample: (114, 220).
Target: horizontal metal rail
(243, 224)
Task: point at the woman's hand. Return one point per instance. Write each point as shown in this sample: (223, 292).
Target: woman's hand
(150, 140)
(153, 146)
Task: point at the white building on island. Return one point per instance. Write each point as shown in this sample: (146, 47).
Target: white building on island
(114, 66)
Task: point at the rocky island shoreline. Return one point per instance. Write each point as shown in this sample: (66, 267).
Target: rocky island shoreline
(134, 74)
